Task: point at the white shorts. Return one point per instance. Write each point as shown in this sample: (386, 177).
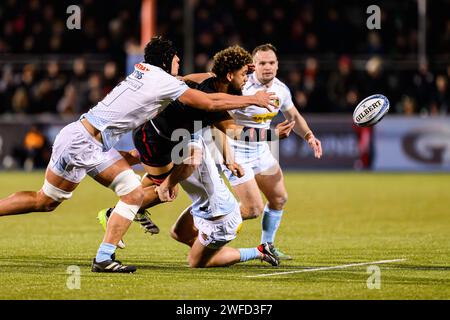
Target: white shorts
(215, 234)
(76, 153)
(253, 161)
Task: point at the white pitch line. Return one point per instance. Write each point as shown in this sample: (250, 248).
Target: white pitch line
(326, 268)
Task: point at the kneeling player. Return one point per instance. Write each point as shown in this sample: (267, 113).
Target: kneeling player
(214, 217)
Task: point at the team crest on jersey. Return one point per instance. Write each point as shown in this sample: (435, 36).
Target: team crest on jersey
(276, 102)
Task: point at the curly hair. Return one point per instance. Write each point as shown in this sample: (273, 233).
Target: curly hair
(229, 60)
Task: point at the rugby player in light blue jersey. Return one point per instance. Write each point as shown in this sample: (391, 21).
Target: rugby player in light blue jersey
(214, 218)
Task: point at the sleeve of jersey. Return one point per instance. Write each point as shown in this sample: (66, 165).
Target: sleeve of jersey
(287, 100)
(170, 87)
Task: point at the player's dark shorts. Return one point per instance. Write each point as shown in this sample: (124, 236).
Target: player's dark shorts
(154, 150)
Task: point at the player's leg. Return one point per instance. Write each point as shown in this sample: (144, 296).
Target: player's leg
(271, 183)
(247, 192)
(124, 182)
(201, 256)
(59, 181)
(152, 178)
(184, 230)
(55, 190)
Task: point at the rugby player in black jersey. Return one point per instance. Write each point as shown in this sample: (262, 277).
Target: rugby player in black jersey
(154, 140)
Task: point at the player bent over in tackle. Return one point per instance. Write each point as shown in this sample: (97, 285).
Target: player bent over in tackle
(214, 217)
(86, 146)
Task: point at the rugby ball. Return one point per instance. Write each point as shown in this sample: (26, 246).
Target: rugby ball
(371, 110)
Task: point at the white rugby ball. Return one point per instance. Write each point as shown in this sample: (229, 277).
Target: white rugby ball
(371, 110)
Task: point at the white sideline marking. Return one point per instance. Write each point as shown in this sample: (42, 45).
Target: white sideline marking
(326, 268)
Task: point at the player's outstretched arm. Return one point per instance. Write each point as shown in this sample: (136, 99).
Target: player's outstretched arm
(302, 129)
(230, 128)
(197, 77)
(222, 101)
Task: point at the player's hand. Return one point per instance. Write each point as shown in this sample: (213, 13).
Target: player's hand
(132, 156)
(165, 193)
(284, 128)
(315, 145)
(236, 169)
(266, 100)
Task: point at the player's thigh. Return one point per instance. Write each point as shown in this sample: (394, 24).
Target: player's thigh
(271, 183)
(55, 190)
(107, 176)
(127, 186)
(250, 197)
(157, 171)
(184, 229)
(59, 182)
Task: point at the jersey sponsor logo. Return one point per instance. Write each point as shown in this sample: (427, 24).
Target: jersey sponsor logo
(141, 67)
(264, 117)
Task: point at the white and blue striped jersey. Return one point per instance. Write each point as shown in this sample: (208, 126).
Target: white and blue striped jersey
(140, 97)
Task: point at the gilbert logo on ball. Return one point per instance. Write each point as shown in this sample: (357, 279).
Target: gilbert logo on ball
(371, 110)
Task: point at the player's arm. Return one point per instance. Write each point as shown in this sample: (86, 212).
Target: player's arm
(234, 131)
(230, 128)
(197, 77)
(132, 156)
(167, 190)
(200, 77)
(223, 145)
(302, 129)
(222, 101)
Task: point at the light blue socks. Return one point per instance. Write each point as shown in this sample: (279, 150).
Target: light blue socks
(105, 252)
(270, 222)
(249, 254)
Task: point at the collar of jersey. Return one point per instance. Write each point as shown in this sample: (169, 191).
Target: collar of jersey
(255, 81)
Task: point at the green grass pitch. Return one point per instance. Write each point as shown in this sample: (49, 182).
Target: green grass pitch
(331, 219)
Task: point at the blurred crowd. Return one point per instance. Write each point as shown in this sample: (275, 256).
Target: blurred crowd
(68, 92)
(306, 33)
(410, 92)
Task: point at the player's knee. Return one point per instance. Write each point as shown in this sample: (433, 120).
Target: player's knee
(135, 197)
(279, 201)
(50, 197)
(195, 263)
(254, 211)
(128, 187)
(44, 203)
(138, 195)
(174, 234)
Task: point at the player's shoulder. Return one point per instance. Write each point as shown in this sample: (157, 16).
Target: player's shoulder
(280, 84)
(208, 85)
(251, 82)
(144, 70)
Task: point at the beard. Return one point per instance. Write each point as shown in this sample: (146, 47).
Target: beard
(237, 91)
